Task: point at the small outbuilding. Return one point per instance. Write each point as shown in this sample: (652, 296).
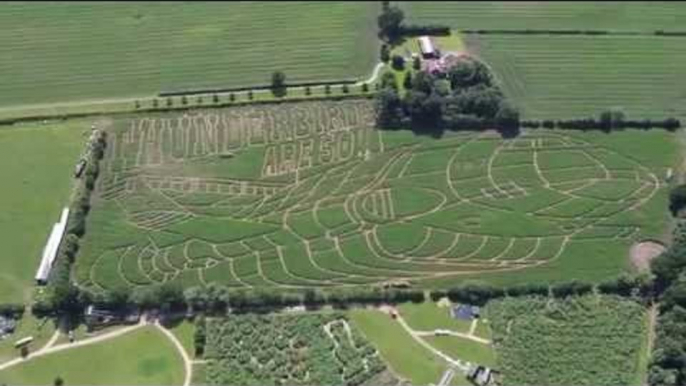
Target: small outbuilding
(465, 312)
(427, 48)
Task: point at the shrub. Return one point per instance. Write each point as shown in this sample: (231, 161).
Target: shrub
(417, 63)
(345, 89)
(184, 100)
(327, 89)
(308, 91)
(398, 63)
(155, 103)
(677, 199)
(215, 98)
(250, 95)
(385, 53)
(365, 87)
(232, 97)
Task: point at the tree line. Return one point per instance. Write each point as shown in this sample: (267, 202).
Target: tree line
(609, 120)
(392, 26)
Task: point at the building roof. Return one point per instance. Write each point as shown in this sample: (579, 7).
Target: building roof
(426, 45)
(51, 247)
(464, 312)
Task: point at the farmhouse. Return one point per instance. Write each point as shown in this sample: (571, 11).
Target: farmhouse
(427, 48)
(51, 247)
(464, 312)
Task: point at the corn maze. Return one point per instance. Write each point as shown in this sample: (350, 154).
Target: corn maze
(310, 195)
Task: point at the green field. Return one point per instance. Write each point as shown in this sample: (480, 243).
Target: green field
(575, 76)
(139, 49)
(428, 316)
(643, 16)
(143, 357)
(309, 195)
(306, 349)
(590, 340)
(464, 349)
(405, 356)
(37, 165)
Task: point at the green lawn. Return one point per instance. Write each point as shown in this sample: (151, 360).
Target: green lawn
(428, 316)
(37, 165)
(40, 329)
(465, 349)
(578, 76)
(644, 16)
(404, 355)
(184, 332)
(138, 49)
(143, 357)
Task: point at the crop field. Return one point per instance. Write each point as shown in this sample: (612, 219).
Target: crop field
(139, 49)
(37, 162)
(310, 195)
(643, 16)
(590, 340)
(312, 349)
(579, 76)
(156, 362)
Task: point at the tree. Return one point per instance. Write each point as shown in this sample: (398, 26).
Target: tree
(58, 381)
(169, 102)
(390, 24)
(407, 82)
(137, 104)
(184, 100)
(389, 109)
(677, 199)
(388, 80)
(417, 63)
(308, 91)
(199, 100)
(385, 53)
(278, 84)
(365, 87)
(398, 63)
(327, 89)
(232, 97)
(507, 120)
(250, 96)
(611, 119)
(215, 98)
(155, 103)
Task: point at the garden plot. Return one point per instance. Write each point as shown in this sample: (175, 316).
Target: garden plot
(310, 195)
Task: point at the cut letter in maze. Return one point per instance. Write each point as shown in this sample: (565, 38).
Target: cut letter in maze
(311, 195)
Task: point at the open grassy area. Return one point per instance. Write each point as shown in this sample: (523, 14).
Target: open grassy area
(139, 49)
(590, 340)
(464, 349)
(428, 316)
(405, 356)
(40, 329)
(37, 166)
(580, 76)
(209, 198)
(143, 357)
(184, 332)
(645, 16)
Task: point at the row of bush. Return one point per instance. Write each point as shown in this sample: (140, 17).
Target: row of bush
(253, 88)
(567, 32)
(607, 121)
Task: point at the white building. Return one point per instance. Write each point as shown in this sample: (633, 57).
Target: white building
(51, 247)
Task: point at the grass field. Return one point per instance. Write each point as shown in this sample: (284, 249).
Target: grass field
(427, 316)
(37, 165)
(184, 332)
(143, 48)
(464, 349)
(644, 16)
(143, 357)
(590, 340)
(576, 76)
(404, 355)
(310, 195)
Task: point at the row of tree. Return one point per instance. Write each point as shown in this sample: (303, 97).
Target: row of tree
(465, 97)
(62, 293)
(392, 27)
(609, 120)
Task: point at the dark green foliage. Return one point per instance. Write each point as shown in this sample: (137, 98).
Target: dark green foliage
(12, 310)
(417, 63)
(407, 82)
(398, 63)
(388, 81)
(466, 98)
(571, 288)
(313, 349)
(677, 199)
(155, 103)
(390, 24)
(58, 381)
(137, 104)
(199, 336)
(184, 100)
(327, 89)
(345, 89)
(390, 109)
(278, 84)
(385, 53)
(70, 246)
(475, 293)
(365, 87)
(308, 90)
(250, 95)
(232, 97)
(215, 98)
